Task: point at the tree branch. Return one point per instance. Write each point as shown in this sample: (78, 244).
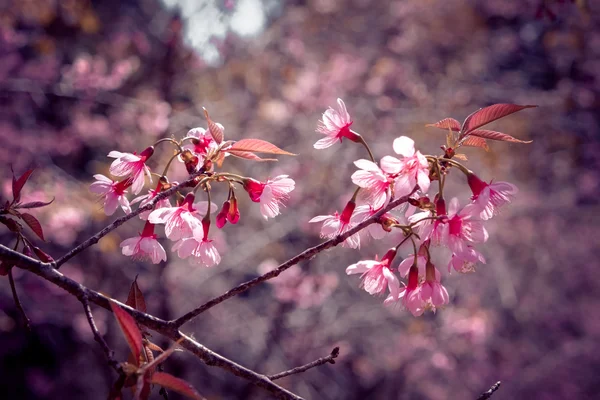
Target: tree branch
(486, 395)
(323, 360)
(305, 255)
(166, 328)
(110, 354)
(17, 301)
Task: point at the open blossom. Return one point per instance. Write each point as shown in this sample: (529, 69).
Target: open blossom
(113, 192)
(409, 261)
(375, 180)
(199, 246)
(463, 229)
(144, 246)
(376, 231)
(335, 124)
(337, 224)
(132, 165)
(377, 275)
(181, 221)
(200, 142)
(410, 295)
(147, 198)
(270, 194)
(432, 291)
(465, 262)
(490, 196)
(409, 171)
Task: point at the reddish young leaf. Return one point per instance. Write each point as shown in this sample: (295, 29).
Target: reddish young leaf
(17, 184)
(215, 130)
(493, 135)
(130, 329)
(249, 156)
(473, 141)
(488, 114)
(11, 224)
(178, 385)
(34, 204)
(135, 299)
(447, 123)
(259, 146)
(34, 224)
(43, 256)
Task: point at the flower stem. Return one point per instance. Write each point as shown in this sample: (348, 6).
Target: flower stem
(175, 142)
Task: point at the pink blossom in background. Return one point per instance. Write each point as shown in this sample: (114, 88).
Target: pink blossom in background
(113, 193)
(490, 196)
(144, 246)
(131, 165)
(335, 124)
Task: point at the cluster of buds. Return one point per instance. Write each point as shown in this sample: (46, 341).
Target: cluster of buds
(429, 224)
(187, 222)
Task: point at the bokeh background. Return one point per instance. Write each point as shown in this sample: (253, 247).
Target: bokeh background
(80, 78)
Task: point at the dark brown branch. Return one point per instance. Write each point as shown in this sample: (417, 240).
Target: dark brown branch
(166, 328)
(305, 255)
(110, 354)
(323, 360)
(120, 221)
(17, 301)
(486, 395)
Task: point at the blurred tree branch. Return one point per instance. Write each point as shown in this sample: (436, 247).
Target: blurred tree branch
(323, 360)
(487, 394)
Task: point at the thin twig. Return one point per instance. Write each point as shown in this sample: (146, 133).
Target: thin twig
(323, 360)
(110, 354)
(17, 301)
(166, 328)
(120, 221)
(305, 255)
(486, 395)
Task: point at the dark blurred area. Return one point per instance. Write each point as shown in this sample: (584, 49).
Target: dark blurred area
(81, 78)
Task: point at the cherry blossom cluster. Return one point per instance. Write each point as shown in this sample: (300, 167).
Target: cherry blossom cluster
(185, 218)
(427, 222)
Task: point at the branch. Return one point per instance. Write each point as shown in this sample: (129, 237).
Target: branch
(305, 255)
(17, 301)
(490, 392)
(120, 221)
(166, 328)
(323, 360)
(110, 354)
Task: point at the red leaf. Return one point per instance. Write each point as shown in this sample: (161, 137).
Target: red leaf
(129, 328)
(215, 130)
(135, 299)
(43, 256)
(446, 123)
(17, 184)
(34, 224)
(259, 146)
(34, 204)
(473, 141)
(488, 114)
(178, 385)
(249, 156)
(493, 135)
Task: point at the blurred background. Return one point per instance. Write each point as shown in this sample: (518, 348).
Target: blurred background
(80, 78)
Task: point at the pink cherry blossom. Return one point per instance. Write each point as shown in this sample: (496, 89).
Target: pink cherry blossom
(432, 291)
(113, 192)
(132, 165)
(409, 261)
(147, 198)
(463, 229)
(376, 181)
(270, 194)
(181, 221)
(409, 171)
(335, 124)
(376, 231)
(410, 295)
(465, 262)
(490, 196)
(200, 142)
(199, 246)
(145, 246)
(377, 275)
(337, 224)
